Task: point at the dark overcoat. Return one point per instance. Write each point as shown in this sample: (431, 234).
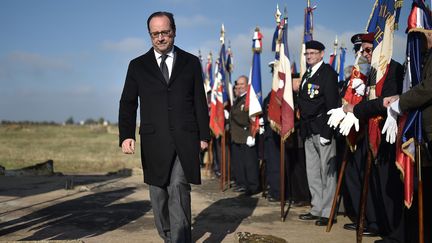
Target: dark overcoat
(173, 116)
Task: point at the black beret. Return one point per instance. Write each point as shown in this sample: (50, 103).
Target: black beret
(356, 39)
(316, 45)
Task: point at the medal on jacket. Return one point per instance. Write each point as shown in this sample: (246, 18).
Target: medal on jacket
(312, 90)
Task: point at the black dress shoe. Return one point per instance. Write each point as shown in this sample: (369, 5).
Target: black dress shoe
(239, 189)
(308, 216)
(352, 226)
(323, 221)
(369, 232)
(299, 203)
(366, 231)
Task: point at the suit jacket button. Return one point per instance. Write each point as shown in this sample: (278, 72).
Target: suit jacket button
(170, 108)
(169, 89)
(171, 128)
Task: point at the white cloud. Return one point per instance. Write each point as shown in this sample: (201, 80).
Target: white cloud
(129, 44)
(37, 60)
(18, 66)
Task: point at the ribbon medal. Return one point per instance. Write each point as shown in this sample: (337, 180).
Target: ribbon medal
(313, 90)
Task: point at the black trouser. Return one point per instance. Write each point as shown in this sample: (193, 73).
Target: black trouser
(296, 175)
(272, 162)
(247, 166)
(354, 174)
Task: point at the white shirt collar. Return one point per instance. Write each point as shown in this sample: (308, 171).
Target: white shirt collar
(315, 67)
(158, 55)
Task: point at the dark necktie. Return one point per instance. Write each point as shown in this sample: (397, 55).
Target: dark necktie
(306, 76)
(164, 67)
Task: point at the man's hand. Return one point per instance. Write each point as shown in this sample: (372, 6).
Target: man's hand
(324, 141)
(128, 146)
(226, 114)
(250, 141)
(336, 115)
(347, 123)
(204, 145)
(388, 100)
(390, 126)
(296, 84)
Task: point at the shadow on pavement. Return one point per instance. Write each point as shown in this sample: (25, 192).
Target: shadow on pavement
(222, 218)
(32, 185)
(87, 216)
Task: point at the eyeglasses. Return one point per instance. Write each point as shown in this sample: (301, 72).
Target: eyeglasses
(163, 33)
(368, 50)
(311, 53)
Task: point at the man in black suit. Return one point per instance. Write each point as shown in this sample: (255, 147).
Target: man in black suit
(168, 84)
(318, 93)
(384, 206)
(244, 152)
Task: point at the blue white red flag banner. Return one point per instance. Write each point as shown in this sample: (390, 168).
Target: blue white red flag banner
(307, 35)
(341, 64)
(418, 21)
(254, 94)
(208, 74)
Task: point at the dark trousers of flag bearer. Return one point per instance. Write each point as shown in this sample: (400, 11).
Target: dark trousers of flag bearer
(353, 178)
(217, 156)
(297, 183)
(272, 163)
(247, 169)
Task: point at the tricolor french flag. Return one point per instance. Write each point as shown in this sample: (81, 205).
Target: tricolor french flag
(254, 93)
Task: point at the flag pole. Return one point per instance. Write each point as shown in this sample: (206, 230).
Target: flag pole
(363, 198)
(282, 179)
(210, 157)
(336, 197)
(420, 194)
(229, 162)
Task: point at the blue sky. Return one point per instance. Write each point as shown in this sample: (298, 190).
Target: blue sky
(63, 58)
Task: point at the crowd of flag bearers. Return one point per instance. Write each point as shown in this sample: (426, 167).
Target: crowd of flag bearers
(324, 134)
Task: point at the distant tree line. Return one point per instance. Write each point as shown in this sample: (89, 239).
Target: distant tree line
(8, 122)
(68, 121)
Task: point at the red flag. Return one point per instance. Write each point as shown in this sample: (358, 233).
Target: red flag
(360, 70)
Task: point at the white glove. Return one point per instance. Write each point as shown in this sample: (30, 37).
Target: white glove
(261, 121)
(359, 86)
(261, 129)
(347, 123)
(250, 141)
(226, 113)
(324, 141)
(336, 115)
(390, 126)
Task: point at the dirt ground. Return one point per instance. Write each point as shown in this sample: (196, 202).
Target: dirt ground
(116, 208)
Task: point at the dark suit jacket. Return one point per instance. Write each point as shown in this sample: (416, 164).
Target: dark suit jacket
(318, 95)
(239, 121)
(392, 86)
(173, 117)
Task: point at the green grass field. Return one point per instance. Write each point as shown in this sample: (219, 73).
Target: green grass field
(73, 148)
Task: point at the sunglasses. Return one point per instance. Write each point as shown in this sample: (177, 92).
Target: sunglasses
(368, 50)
